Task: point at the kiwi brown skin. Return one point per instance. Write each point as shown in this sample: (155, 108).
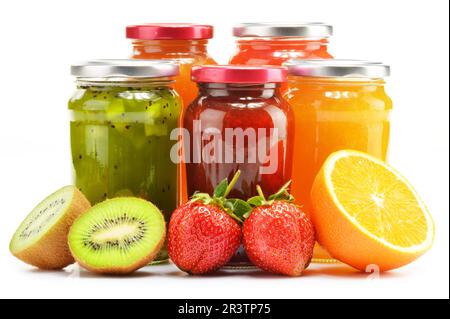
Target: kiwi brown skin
(52, 251)
(119, 271)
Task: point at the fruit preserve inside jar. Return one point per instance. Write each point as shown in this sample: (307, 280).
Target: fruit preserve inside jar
(122, 115)
(184, 43)
(238, 122)
(273, 44)
(338, 104)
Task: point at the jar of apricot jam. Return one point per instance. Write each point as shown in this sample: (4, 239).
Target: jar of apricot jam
(338, 104)
(187, 44)
(123, 112)
(239, 122)
(275, 43)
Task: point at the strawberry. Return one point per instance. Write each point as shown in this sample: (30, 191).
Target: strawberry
(278, 235)
(205, 233)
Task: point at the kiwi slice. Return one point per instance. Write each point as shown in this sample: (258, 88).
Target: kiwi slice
(41, 239)
(117, 236)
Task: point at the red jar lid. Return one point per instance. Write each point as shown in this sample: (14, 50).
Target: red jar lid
(238, 74)
(169, 31)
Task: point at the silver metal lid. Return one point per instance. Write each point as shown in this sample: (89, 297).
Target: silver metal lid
(337, 68)
(126, 68)
(307, 29)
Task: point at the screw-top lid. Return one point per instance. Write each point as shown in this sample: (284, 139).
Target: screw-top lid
(307, 29)
(337, 68)
(125, 69)
(169, 31)
(239, 74)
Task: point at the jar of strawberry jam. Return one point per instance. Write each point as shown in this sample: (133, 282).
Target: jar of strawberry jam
(338, 104)
(239, 121)
(275, 43)
(123, 112)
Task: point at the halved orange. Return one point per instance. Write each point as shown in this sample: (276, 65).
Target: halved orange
(366, 213)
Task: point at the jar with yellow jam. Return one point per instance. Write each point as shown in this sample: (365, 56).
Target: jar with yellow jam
(338, 104)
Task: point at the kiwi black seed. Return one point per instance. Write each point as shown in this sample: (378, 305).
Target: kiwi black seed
(118, 236)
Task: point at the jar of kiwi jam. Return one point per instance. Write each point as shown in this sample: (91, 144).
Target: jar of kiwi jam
(123, 112)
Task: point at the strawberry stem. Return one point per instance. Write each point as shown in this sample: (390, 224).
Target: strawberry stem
(234, 207)
(286, 186)
(282, 193)
(231, 184)
(260, 200)
(260, 192)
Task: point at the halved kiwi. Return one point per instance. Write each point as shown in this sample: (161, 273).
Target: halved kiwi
(41, 239)
(117, 236)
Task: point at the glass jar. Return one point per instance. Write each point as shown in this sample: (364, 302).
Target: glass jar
(184, 43)
(123, 112)
(338, 104)
(238, 110)
(239, 122)
(274, 43)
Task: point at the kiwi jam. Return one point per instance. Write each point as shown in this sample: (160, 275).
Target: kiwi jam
(120, 141)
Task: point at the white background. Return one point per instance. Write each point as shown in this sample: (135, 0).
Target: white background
(40, 39)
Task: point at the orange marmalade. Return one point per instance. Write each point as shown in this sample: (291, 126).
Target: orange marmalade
(338, 104)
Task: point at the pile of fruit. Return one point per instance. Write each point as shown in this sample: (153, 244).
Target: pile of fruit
(364, 213)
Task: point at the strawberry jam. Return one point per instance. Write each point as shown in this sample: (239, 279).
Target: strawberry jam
(238, 121)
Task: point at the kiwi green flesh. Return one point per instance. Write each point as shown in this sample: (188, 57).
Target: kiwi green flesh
(117, 233)
(41, 219)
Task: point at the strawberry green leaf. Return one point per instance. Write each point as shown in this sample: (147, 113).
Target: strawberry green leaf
(202, 197)
(220, 200)
(235, 217)
(256, 201)
(221, 189)
(282, 194)
(240, 208)
(229, 204)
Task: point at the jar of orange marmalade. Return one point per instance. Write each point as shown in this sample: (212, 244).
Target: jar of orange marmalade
(338, 104)
(186, 44)
(274, 43)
